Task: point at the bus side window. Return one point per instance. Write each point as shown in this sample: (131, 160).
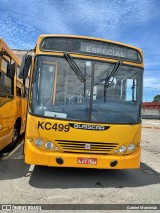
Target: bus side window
(23, 91)
(18, 91)
(26, 94)
(18, 71)
(6, 85)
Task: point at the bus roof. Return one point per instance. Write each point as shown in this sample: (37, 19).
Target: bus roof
(4, 46)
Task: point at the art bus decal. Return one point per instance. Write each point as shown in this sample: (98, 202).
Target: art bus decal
(66, 127)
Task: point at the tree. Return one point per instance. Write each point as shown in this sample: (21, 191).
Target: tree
(156, 98)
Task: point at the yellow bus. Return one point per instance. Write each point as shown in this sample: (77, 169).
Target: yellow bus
(13, 99)
(84, 103)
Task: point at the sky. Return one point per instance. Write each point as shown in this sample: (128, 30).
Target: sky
(134, 22)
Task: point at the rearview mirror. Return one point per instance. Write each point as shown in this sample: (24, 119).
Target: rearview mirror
(25, 66)
(10, 70)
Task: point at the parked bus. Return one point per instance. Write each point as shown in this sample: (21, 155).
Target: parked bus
(13, 98)
(84, 105)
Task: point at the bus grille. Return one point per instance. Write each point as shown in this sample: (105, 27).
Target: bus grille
(86, 147)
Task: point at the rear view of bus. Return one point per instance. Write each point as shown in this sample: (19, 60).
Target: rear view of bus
(85, 103)
(13, 102)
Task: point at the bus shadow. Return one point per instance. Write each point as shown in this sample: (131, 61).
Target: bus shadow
(64, 178)
(13, 168)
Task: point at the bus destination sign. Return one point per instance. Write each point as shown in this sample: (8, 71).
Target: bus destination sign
(110, 50)
(102, 50)
(90, 47)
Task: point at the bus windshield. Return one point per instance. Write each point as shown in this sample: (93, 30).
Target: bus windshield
(57, 92)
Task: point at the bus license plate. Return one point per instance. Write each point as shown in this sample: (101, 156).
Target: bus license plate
(91, 161)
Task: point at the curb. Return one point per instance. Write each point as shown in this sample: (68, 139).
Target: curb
(151, 127)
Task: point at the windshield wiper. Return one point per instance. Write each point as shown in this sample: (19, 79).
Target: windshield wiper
(74, 67)
(109, 79)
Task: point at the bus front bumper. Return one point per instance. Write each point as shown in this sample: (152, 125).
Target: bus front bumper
(59, 159)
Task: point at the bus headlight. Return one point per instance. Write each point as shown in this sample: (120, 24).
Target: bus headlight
(131, 147)
(48, 145)
(122, 149)
(38, 142)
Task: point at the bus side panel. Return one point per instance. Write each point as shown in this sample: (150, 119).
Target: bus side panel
(21, 112)
(24, 114)
(10, 112)
(8, 116)
(11, 107)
